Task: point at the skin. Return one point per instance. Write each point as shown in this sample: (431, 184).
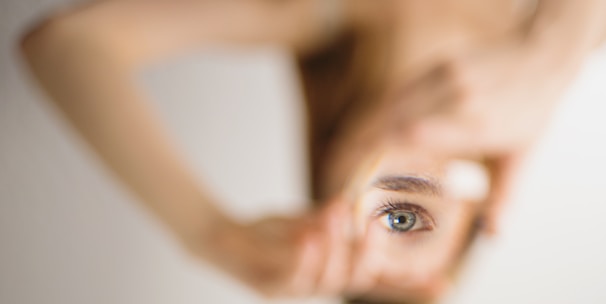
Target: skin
(434, 89)
(410, 264)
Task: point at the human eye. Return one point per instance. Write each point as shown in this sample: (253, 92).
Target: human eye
(404, 217)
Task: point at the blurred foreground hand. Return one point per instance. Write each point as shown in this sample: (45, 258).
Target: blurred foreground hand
(291, 257)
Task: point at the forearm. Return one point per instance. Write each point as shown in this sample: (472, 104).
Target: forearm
(90, 83)
(86, 58)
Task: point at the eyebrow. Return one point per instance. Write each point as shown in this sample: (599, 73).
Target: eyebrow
(406, 183)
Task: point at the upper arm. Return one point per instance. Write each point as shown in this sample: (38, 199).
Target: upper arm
(143, 31)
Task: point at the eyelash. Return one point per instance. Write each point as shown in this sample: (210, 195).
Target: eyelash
(390, 206)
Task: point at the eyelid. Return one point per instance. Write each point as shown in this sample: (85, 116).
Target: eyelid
(389, 206)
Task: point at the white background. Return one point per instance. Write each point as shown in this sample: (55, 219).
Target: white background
(69, 233)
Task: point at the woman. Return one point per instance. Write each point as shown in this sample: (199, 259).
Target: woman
(395, 92)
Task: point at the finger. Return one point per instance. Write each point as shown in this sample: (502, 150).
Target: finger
(364, 270)
(307, 264)
(334, 276)
(503, 170)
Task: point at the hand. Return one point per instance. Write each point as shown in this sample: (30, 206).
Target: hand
(491, 104)
(488, 102)
(294, 257)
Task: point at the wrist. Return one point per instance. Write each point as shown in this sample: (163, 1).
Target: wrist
(209, 233)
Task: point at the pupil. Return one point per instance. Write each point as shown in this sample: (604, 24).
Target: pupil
(402, 221)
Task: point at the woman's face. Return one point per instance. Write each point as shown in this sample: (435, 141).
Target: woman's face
(412, 216)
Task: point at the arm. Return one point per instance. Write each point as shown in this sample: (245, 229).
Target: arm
(86, 58)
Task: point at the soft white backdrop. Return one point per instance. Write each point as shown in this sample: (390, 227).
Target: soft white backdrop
(69, 233)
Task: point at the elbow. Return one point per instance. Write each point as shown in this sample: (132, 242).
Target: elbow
(42, 37)
(61, 37)
(33, 34)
